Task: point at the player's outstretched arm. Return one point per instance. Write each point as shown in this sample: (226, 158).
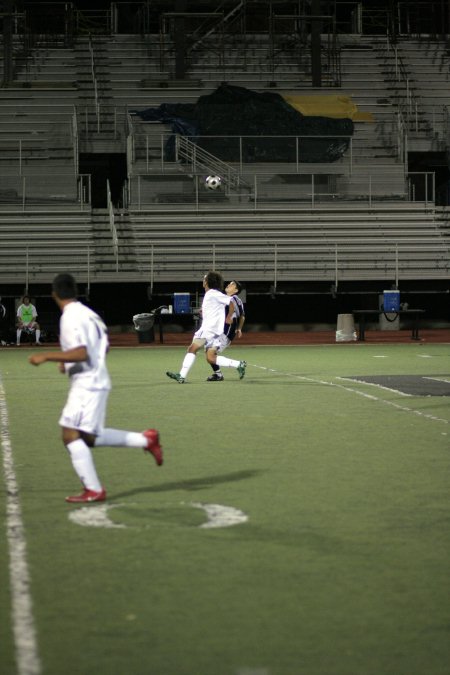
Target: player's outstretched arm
(70, 356)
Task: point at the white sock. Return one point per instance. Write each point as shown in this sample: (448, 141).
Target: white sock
(119, 438)
(19, 333)
(83, 463)
(226, 363)
(38, 334)
(187, 364)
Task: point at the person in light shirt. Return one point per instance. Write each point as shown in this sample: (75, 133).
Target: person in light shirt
(210, 336)
(84, 346)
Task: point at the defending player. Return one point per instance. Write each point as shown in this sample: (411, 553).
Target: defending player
(84, 345)
(231, 330)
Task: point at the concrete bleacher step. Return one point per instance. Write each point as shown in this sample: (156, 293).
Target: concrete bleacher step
(306, 243)
(302, 248)
(40, 245)
(374, 149)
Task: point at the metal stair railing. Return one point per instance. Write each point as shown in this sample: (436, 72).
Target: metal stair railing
(112, 225)
(75, 141)
(94, 82)
(409, 103)
(196, 38)
(288, 32)
(231, 15)
(196, 159)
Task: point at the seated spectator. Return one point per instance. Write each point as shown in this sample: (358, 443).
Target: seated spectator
(3, 325)
(26, 320)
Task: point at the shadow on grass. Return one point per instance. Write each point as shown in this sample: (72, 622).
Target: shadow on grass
(194, 484)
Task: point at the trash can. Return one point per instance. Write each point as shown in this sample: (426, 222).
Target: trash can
(345, 329)
(145, 327)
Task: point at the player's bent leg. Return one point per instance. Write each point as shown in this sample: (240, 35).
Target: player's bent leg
(211, 355)
(224, 362)
(153, 445)
(147, 440)
(232, 363)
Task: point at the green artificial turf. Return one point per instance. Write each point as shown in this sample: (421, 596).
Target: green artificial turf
(341, 568)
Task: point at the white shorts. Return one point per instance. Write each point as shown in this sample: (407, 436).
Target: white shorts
(212, 341)
(85, 410)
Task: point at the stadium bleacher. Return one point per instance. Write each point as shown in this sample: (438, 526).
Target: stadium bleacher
(366, 216)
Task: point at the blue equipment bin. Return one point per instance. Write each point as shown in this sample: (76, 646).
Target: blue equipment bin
(391, 301)
(181, 303)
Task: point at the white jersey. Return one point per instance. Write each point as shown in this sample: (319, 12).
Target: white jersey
(212, 311)
(81, 327)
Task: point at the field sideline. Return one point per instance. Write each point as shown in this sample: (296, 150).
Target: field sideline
(333, 477)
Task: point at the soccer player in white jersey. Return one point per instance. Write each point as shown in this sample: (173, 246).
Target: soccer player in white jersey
(84, 345)
(210, 335)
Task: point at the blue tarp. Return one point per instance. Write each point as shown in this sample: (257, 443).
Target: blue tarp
(232, 111)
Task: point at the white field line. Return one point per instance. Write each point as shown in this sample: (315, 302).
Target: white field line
(376, 385)
(220, 515)
(27, 657)
(95, 516)
(355, 391)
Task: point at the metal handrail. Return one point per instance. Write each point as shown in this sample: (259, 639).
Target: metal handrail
(402, 77)
(197, 158)
(221, 11)
(75, 142)
(21, 193)
(77, 252)
(255, 198)
(411, 107)
(280, 259)
(345, 159)
(84, 189)
(428, 191)
(94, 81)
(103, 114)
(112, 226)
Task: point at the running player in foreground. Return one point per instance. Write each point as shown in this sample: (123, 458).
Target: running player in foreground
(84, 345)
(210, 335)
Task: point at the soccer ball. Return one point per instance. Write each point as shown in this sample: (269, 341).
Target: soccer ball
(213, 182)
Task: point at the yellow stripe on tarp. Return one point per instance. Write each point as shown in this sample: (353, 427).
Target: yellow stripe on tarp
(341, 107)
